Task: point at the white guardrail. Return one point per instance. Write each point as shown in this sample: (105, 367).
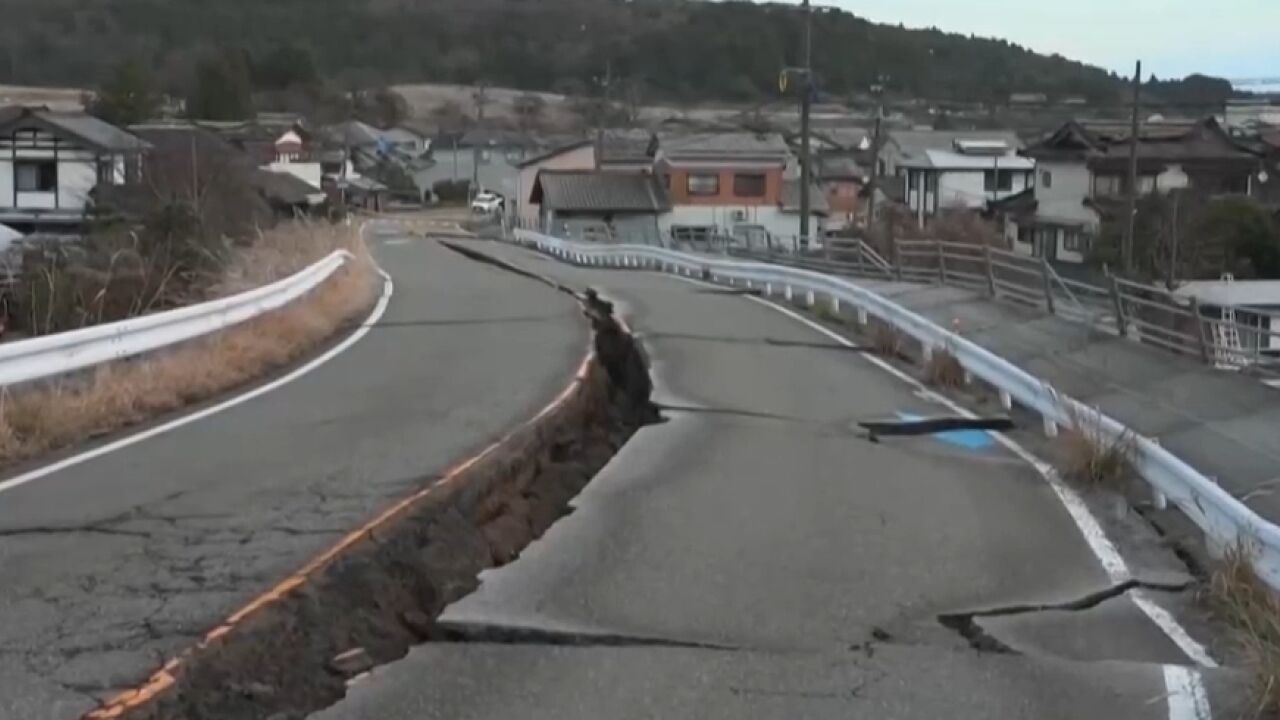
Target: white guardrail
(66, 352)
(1225, 521)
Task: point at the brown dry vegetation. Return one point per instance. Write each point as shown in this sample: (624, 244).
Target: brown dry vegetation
(885, 339)
(1252, 610)
(1086, 456)
(114, 396)
(944, 371)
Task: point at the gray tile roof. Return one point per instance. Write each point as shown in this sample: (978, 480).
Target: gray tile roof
(728, 145)
(791, 198)
(85, 128)
(590, 191)
(917, 141)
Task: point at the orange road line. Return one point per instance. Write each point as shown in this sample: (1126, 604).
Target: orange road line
(164, 678)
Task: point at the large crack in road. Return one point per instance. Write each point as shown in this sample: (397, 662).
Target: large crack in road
(374, 601)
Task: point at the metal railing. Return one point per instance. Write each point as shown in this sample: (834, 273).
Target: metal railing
(1143, 313)
(66, 352)
(1225, 520)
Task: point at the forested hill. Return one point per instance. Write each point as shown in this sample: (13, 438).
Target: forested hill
(672, 49)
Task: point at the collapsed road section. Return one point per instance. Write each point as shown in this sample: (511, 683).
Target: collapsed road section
(366, 601)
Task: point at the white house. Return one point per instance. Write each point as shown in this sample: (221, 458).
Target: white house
(1082, 174)
(1254, 305)
(50, 162)
(969, 175)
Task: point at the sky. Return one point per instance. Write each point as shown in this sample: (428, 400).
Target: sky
(1174, 38)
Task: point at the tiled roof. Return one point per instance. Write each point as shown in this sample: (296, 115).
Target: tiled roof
(85, 128)
(728, 145)
(791, 198)
(585, 190)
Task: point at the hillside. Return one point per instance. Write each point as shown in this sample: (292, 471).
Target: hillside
(677, 50)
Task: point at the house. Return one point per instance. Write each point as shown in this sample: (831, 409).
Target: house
(491, 158)
(50, 163)
(731, 185)
(600, 205)
(1253, 304)
(578, 155)
(842, 180)
(1083, 170)
(968, 175)
(906, 145)
(406, 142)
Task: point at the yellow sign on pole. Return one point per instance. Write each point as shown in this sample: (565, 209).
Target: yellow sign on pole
(782, 81)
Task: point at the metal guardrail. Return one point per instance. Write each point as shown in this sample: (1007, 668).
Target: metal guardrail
(53, 355)
(1224, 520)
(1145, 313)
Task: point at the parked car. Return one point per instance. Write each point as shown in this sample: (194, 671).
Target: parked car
(487, 203)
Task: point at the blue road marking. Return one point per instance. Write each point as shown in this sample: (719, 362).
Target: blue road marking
(967, 439)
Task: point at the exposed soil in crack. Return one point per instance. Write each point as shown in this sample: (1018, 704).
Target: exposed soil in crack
(966, 623)
(368, 604)
(516, 635)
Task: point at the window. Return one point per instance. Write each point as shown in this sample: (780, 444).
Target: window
(39, 176)
(1074, 241)
(993, 180)
(1108, 185)
(1046, 180)
(106, 171)
(749, 186)
(913, 180)
(703, 184)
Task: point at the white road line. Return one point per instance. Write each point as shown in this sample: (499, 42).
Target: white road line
(1188, 699)
(388, 287)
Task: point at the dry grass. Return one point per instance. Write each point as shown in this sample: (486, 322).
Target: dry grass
(944, 371)
(1089, 457)
(1236, 595)
(122, 394)
(886, 340)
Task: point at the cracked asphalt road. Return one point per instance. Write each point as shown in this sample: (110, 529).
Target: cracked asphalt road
(111, 566)
(765, 561)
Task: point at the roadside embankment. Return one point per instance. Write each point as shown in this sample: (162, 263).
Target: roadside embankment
(48, 416)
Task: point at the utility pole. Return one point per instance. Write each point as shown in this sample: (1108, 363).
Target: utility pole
(806, 101)
(602, 111)
(875, 157)
(482, 98)
(1126, 248)
(1173, 243)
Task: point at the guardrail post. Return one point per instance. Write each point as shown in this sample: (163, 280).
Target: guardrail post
(786, 293)
(926, 354)
(835, 304)
(1050, 427)
(991, 271)
(809, 299)
(768, 289)
(862, 316)
(1122, 324)
(1006, 400)
(942, 264)
(1200, 337)
(1045, 271)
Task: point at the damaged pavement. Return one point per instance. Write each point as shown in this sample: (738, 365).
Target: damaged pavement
(755, 557)
(114, 565)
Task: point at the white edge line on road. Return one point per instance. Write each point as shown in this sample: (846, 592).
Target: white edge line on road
(388, 287)
(1187, 697)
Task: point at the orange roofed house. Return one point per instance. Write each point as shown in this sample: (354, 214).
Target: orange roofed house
(733, 185)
